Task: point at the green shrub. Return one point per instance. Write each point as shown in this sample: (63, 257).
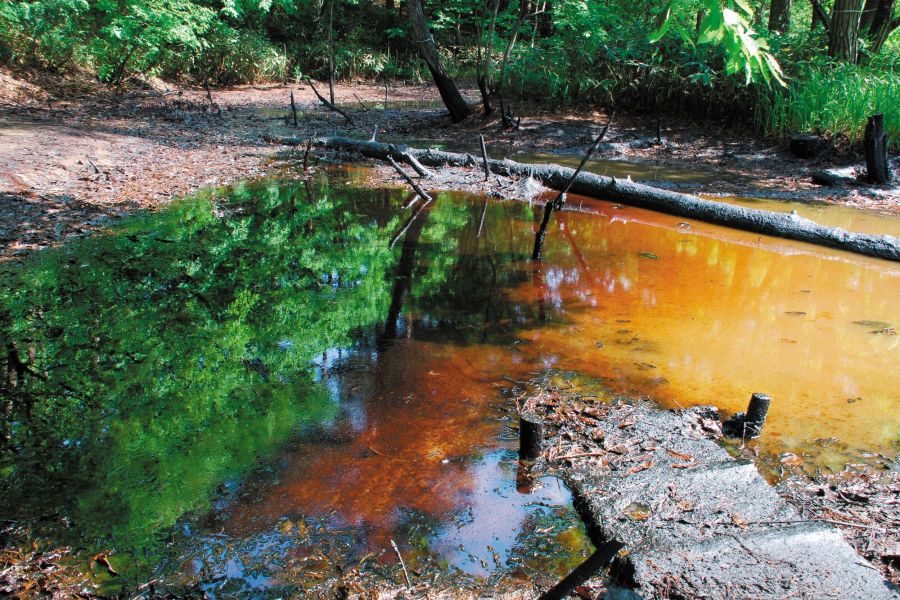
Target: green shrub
(230, 56)
(43, 35)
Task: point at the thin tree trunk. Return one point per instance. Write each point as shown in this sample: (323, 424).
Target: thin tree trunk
(843, 40)
(780, 16)
(331, 51)
(879, 26)
(453, 100)
(819, 16)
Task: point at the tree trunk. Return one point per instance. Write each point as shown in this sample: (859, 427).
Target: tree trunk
(780, 16)
(843, 42)
(868, 14)
(819, 16)
(453, 100)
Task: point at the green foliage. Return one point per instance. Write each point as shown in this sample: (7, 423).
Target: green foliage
(44, 34)
(729, 28)
(834, 100)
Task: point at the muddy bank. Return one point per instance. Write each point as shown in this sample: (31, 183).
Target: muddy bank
(696, 522)
(74, 155)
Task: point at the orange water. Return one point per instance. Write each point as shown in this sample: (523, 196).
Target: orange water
(708, 315)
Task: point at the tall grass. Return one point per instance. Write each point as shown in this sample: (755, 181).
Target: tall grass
(833, 100)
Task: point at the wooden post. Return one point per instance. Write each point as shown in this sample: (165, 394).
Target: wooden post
(876, 150)
(531, 436)
(484, 155)
(293, 108)
(757, 411)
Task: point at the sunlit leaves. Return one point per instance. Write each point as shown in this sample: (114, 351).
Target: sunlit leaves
(729, 28)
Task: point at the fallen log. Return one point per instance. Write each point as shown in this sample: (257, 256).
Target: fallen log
(783, 225)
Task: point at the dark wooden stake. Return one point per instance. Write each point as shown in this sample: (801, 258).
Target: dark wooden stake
(560, 200)
(484, 155)
(542, 232)
(531, 436)
(293, 109)
(596, 561)
(756, 414)
(876, 150)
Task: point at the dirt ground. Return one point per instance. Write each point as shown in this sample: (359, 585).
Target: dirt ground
(74, 155)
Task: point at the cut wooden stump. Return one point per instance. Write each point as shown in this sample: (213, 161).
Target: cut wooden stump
(875, 142)
(531, 436)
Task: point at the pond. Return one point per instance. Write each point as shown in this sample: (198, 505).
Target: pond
(256, 390)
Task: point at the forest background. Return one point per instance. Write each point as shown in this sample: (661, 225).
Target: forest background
(781, 66)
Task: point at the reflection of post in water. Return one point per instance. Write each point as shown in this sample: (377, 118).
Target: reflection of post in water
(481, 220)
(403, 277)
(525, 478)
(540, 289)
(565, 227)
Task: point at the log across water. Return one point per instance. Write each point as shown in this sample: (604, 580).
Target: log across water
(788, 226)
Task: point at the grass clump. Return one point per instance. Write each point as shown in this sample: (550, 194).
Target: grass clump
(833, 100)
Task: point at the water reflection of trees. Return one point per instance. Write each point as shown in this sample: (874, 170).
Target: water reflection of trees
(147, 366)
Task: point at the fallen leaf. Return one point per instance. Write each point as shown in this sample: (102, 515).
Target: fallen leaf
(685, 465)
(680, 455)
(791, 460)
(640, 467)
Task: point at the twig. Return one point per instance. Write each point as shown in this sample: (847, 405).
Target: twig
(417, 166)
(408, 179)
(365, 108)
(328, 104)
(587, 156)
(402, 564)
(580, 455)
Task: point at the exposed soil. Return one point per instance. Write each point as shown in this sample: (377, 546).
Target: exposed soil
(74, 154)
